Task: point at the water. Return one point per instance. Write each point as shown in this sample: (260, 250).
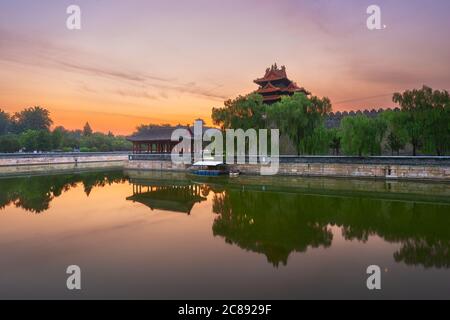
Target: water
(172, 236)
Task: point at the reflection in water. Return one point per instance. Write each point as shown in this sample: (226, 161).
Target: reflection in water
(34, 194)
(268, 223)
(168, 197)
(275, 223)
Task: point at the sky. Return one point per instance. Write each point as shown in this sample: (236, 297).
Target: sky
(166, 61)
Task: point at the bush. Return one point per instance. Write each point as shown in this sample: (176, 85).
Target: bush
(36, 140)
(9, 143)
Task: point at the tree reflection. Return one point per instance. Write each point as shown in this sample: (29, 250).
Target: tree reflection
(266, 223)
(34, 194)
(272, 222)
(277, 224)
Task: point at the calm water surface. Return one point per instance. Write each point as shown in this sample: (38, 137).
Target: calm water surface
(164, 236)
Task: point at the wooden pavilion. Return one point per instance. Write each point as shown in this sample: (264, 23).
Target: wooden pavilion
(155, 139)
(158, 139)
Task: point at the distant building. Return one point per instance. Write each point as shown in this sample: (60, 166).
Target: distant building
(276, 84)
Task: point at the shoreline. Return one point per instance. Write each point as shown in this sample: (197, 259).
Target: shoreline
(374, 168)
(432, 169)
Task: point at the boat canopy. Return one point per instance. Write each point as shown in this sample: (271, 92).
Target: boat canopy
(208, 163)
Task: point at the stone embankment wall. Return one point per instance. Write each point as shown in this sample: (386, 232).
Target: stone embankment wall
(417, 168)
(358, 171)
(345, 167)
(48, 163)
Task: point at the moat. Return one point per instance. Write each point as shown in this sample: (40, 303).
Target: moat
(156, 235)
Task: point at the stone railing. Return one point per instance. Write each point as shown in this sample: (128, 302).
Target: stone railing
(149, 157)
(59, 154)
(410, 161)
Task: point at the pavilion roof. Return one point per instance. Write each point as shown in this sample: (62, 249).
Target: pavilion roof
(163, 133)
(272, 97)
(160, 133)
(273, 73)
(293, 87)
(268, 88)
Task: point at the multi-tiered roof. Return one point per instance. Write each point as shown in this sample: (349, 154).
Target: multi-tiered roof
(276, 84)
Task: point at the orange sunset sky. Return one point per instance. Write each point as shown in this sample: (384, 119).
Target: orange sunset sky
(136, 62)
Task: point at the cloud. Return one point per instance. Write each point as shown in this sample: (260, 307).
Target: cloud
(136, 94)
(46, 55)
(397, 76)
(103, 72)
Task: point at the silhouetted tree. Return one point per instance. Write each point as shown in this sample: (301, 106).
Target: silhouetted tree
(5, 122)
(35, 118)
(87, 130)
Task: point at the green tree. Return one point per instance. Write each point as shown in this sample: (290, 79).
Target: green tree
(35, 118)
(58, 138)
(144, 127)
(398, 134)
(36, 140)
(121, 144)
(335, 140)
(9, 143)
(318, 143)
(395, 143)
(243, 112)
(437, 133)
(44, 141)
(97, 142)
(5, 122)
(87, 130)
(427, 118)
(362, 135)
(29, 140)
(299, 117)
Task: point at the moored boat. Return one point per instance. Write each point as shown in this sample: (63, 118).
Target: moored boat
(209, 168)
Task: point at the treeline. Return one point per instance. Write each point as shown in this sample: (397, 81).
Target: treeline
(422, 125)
(30, 131)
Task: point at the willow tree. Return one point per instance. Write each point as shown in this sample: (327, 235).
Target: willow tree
(362, 135)
(244, 112)
(301, 118)
(397, 134)
(427, 118)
